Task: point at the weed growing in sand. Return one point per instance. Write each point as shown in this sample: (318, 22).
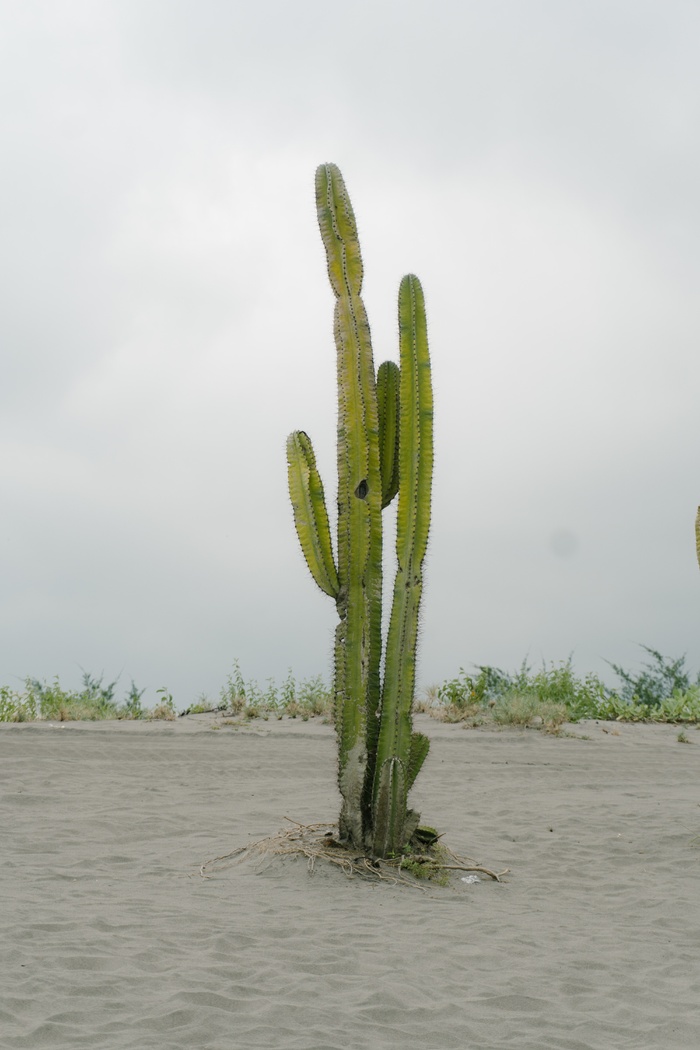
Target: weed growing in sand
(17, 707)
(94, 701)
(680, 707)
(133, 708)
(165, 708)
(662, 692)
(527, 709)
(247, 699)
(97, 700)
(425, 858)
(659, 680)
(545, 699)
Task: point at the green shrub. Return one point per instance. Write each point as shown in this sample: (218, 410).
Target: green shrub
(133, 708)
(17, 707)
(296, 699)
(662, 692)
(466, 690)
(658, 681)
(95, 700)
(681, 707)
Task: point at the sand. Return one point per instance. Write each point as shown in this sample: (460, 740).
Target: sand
(111, 939)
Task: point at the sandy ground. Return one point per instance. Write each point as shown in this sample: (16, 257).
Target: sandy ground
(111, 939)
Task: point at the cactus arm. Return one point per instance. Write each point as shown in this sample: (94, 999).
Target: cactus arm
(420, 745)
(310, 514)
(416, 434)
(336, 220)
(388, 407)
(358, 635)
(399, 755)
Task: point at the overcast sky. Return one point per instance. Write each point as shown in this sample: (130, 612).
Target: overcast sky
(166, 320)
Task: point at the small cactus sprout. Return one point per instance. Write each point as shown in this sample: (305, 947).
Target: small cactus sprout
(385, 449)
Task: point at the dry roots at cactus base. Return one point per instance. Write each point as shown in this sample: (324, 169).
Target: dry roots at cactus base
(424, 859)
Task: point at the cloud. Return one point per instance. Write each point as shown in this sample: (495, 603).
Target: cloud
(167, 322)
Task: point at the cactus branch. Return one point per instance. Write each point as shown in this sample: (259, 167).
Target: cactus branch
(358, 635)
(388, 407)
(310, 514)
(394, 759)
(420, 745)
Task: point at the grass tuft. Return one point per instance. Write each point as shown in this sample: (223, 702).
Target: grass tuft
(527, 709)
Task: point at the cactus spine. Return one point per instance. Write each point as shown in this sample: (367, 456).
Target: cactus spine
(384, 448)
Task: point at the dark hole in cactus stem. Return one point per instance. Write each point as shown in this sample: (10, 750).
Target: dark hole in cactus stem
(362, 490)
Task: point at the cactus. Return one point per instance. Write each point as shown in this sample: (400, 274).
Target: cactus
(697, 535)
(384, 449)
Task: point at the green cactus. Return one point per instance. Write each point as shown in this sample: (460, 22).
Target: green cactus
(385, 447)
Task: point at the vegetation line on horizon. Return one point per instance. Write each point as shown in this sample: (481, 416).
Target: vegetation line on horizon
(662, 691)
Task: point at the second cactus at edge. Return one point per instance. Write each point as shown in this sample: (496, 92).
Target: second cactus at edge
(384, 446)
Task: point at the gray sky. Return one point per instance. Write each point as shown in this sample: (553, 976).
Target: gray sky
(166, 320)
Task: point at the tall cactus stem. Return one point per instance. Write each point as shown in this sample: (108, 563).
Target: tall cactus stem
(395, 767)
(358, 635)
(385, 447)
